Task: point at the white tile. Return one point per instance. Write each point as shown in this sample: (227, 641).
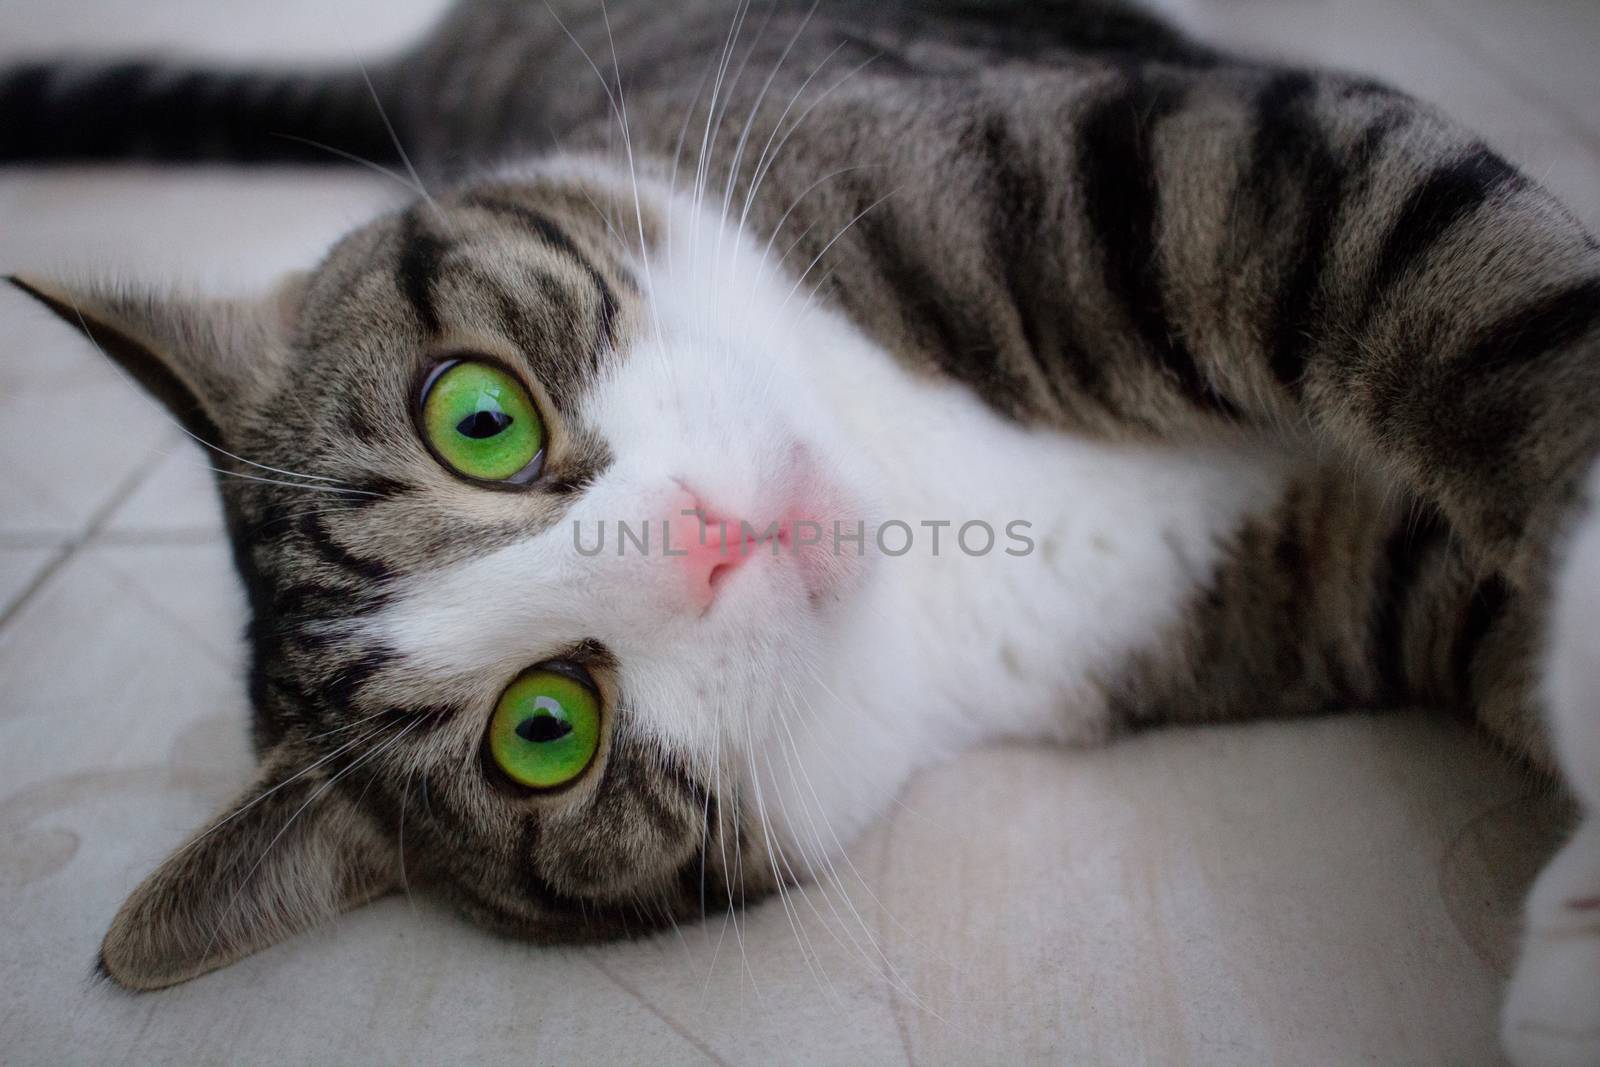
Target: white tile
(182, 228)
(96, 675)
(73, 434)
(19, 567)
(762, 993)
(179, 497)
(192, 585)
(1570, 170)
(1335, 891)
(1545, 50)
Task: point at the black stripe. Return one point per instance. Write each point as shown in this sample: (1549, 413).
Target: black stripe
(186, 96)
(1030, 274)
(1291, 559)
(99, 111)
(693, 791)
(339, 691)
(535, 886)
(365, 422)
(77, 111)
(322, 543)
(553, 235)
(1121, 202)
(710, 895)
(1291, 154)
(309, 598)
(421, 255)
(374, 490)
(626, 781)
(529, 328)
(939, 324)
(24, 96)
(1554, 323)
(1035, 28)
(1447, 196)
(1484, 607)
(1404, 553)
(278, 97)
(669, 823)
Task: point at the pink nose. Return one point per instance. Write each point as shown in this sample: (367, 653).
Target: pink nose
(707, 548)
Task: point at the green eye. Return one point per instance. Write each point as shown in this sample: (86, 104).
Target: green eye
(546, 729)
(481, 423)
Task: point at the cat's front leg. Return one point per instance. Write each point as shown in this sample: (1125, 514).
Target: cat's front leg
(1552, 1012)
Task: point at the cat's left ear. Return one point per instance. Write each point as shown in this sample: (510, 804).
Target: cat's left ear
(205, 360)
(288, 852)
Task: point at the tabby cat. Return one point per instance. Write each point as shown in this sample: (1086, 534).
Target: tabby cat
(769, 398)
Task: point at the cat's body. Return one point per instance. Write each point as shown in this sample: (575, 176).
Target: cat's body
(1262, 381)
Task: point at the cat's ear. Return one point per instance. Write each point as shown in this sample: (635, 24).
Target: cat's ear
(203, 359)
(285, 855)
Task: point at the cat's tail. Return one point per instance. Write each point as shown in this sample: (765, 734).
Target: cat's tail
(83, 110)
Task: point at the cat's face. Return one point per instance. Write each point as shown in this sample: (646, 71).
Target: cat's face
(409, 557)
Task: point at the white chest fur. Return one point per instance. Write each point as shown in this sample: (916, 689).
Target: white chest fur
(943, 649)
(950, 649)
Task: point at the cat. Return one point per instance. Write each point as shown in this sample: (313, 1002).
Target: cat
(767, 402)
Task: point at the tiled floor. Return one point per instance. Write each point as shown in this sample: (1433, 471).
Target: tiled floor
(1317, 892)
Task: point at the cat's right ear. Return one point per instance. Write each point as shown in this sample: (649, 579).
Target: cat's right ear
(205, 360)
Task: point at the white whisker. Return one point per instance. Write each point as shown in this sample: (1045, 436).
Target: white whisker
(763, 169)
(256, 800)
(351, 157)
(857, 217)
(394, 138)
(339, 490)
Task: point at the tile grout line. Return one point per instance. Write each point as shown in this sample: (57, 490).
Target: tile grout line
(650, 1006)
(165, 614)
(70, 548)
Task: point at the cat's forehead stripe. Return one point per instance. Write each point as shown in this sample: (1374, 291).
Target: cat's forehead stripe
(420, 256)
(553, 235)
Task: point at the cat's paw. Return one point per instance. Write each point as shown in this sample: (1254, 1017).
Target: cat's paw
(1552, 1012)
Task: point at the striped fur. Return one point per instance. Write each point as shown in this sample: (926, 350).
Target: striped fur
(76, 111)
(1105, 235)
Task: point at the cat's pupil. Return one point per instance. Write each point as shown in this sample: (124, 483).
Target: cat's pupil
(481, 424)
(542, 728)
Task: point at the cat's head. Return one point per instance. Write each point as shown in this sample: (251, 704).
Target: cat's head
(464, 674)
